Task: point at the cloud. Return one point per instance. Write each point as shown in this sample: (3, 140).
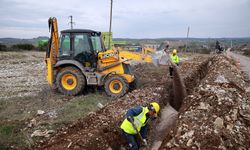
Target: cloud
(133, 19)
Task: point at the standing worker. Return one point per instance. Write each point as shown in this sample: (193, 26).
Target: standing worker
(164, 59)
(174, 59)
(135, 125)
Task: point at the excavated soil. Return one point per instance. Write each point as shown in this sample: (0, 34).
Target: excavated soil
(215, 115)
(100, 130)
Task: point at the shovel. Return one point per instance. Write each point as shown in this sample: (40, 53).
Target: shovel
(145, 144)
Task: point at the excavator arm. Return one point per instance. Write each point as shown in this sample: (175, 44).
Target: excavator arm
(52, 51)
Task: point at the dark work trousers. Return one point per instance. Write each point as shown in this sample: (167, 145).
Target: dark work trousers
(171, 70)
(132, 140)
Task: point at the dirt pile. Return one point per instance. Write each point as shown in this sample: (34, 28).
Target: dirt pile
(216, 114)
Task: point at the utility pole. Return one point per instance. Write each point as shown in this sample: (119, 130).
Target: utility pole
(187, 39)
(71, 22)
(110, 23)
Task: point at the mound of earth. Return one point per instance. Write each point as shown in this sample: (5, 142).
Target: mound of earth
(215, 115)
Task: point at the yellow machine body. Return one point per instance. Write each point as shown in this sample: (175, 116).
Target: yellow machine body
(73, 67)
(51, 55)
(144, 55)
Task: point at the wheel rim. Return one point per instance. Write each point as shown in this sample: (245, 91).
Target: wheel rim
(69, 81)
(115, 86)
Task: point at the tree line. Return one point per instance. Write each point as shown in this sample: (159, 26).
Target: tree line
(25, 46)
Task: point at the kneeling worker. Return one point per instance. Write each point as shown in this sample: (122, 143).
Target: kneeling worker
(135, 125)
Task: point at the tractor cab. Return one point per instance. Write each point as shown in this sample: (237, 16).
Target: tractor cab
(80, 45)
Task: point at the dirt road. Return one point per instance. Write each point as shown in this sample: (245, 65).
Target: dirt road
(244, 61)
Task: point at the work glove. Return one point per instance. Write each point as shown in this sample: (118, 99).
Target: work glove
(130, 119)
(145, 143)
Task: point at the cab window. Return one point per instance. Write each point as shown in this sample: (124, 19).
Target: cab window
(65, 46)
(81, 44)
(96, 43)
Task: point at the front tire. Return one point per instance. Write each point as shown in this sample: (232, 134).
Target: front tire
(134, 85)
(116, 86)
(70, 81)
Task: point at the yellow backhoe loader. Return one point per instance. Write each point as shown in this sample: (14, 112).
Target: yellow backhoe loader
(136, 53)
(79, 59)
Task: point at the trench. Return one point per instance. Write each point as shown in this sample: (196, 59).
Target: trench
(176, 91)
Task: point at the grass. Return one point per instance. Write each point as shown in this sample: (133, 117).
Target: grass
(10, 135)
(81, 106)
(17, 112)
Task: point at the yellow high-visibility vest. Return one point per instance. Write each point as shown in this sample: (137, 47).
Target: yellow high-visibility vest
(174, 59)
(139, 121)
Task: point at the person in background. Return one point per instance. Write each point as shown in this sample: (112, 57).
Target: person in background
(174, 58)
(218, 47)
(164, 59)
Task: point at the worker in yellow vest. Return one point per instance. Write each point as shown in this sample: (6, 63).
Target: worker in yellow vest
(134, 127)
(174, 59)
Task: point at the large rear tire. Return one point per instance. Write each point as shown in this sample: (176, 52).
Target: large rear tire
(116, 86)
(70, 81)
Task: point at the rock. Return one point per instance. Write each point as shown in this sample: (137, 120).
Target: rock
(40, 112)
(100, 105)
(221, 79)
(234, 115)
(109, 148)
(219, 122)
(52, 114)
(228, 118)
(40, 133)
(189, 143)
(188, 134)
(69, 145)
(248, 89)
(32, 123)
(230, 127)
(203, 106)
(179, 131)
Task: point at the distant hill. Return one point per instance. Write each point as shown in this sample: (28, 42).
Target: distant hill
(12, 41)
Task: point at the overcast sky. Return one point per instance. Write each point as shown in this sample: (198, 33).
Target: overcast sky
(131, 18)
